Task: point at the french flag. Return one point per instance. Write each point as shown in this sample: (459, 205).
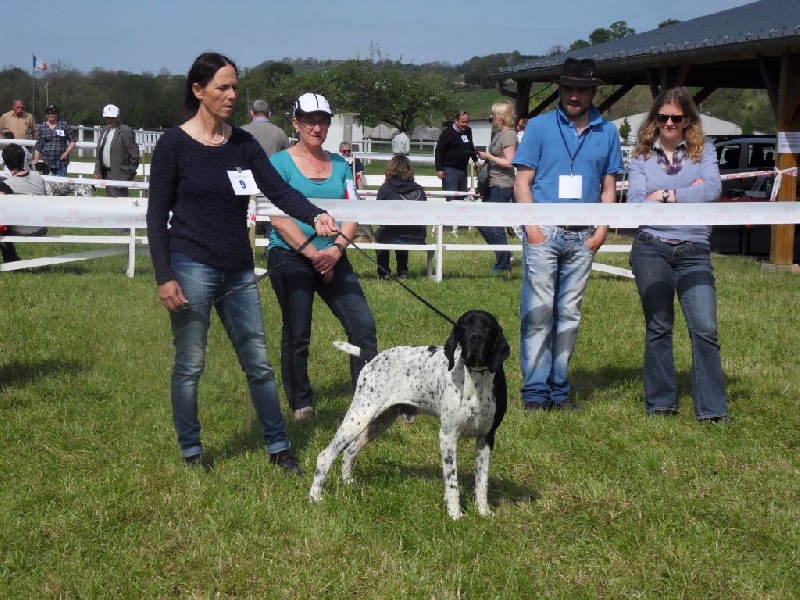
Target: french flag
(39, 64)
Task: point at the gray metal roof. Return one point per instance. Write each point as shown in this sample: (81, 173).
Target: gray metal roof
(719, 48)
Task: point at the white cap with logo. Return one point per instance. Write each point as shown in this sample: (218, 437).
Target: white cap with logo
(109, 110)
(310, 103)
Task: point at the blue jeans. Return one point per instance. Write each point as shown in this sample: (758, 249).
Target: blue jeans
(241, 315)
(555, 274)
(455, 180)
(59, 171)
(662, 270)
(295, 283)
(497, 235)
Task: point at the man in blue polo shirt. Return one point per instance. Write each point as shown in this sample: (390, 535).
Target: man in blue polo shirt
(570, 154)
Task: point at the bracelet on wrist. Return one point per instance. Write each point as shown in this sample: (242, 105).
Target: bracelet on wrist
(318, 216)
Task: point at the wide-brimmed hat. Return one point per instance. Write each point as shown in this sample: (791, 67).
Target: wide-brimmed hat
(579, 73)
(311, 103)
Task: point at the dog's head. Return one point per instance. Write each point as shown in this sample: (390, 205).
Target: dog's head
(482, 341)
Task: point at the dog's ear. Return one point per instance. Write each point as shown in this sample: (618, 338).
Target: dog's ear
(500, 352)
(451, 343)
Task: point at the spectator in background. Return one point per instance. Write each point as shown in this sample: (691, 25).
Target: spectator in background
(24, 182)
(401, 143)
(355, 164)
(453, 152)
(569, 155)
(19, 122)
(7, 249)
(54, 142)
(521, 123)
(500, 156)
(9, 135)
(117, 155)
(399, 185)
(270, 136)
(363, 232)
(321, 267)
(672, 163)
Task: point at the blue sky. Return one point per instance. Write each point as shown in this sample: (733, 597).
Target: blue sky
(150, 35)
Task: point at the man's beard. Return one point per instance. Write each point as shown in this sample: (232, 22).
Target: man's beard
(582, 112)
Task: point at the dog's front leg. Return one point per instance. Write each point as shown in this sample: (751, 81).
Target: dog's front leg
(483, 453)
(448, 445)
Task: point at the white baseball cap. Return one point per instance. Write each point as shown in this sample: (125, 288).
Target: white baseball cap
(311, 103)
(109, 110)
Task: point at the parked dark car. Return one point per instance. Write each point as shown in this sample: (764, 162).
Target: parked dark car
(743, 154)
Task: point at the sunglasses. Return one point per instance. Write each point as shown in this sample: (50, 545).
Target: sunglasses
(346, 152)
(311, 123)
(674, 118)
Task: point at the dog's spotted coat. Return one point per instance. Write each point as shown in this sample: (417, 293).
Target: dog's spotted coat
(462, 383)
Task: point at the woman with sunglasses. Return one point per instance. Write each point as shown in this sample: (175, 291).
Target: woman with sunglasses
(672, 163)
(321, 267)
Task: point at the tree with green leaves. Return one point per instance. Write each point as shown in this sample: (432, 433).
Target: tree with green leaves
(617, 30)
(379, 93)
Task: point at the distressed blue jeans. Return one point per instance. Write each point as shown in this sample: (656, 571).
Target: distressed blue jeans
(555, 274)
(243, 321)
(663, 270)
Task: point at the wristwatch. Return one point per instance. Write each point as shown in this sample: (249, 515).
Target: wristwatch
(665, 196)
(340, 247)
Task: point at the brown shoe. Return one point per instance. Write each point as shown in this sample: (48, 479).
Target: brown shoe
(304, 416)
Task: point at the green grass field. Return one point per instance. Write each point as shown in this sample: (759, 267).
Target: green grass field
(605, 503)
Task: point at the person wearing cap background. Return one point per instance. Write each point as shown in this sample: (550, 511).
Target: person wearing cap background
(54, 142)
(19, 122)
(321, 267)
(117, 154)
(568, 155)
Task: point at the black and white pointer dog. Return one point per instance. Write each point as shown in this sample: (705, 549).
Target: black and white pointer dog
(462, 383)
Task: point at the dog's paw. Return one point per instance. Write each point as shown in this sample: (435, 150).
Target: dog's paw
(455, 515)
(485, 511)
(314, 495)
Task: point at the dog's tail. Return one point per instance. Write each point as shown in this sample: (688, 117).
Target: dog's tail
(354, 350)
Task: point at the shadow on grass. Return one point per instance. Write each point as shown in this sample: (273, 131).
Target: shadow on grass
(20, 374)
(590, 385)
(501, 491)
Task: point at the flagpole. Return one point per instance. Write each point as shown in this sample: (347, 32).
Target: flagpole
(33, 91)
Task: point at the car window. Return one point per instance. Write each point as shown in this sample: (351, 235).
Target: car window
(729, 156)
(761, 156)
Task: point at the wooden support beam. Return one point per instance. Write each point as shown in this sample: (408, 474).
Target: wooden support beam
(769, 73)
(781, 251)
(615, 97)
(543, 104)
(702, 95)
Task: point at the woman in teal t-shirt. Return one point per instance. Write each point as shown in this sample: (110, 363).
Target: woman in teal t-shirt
(322, 266)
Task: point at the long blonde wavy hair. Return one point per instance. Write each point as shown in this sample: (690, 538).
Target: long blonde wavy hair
(693, 134)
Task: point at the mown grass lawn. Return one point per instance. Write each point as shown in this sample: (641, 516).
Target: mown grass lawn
(605, 503)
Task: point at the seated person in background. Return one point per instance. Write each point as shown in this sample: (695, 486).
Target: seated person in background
(399, 185)
(7, 249)
(20, 181)
(9, 135)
